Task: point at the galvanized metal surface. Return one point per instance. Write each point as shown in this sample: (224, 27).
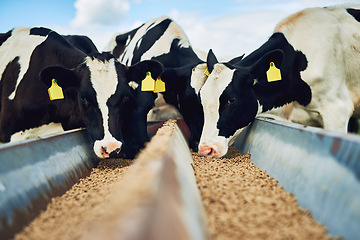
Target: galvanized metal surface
(192, 210)
(321, 168)
(33, 171)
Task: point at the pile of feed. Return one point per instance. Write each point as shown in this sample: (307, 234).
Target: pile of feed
(240, 201)
(243, 202)
(70, 215)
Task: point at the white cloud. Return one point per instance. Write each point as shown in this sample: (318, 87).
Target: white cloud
(232, 35)
(100, 12)
(229, 35)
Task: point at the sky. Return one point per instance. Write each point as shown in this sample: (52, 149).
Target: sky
(229, 27)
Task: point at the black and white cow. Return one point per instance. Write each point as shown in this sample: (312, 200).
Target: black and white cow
(235, 93)
(95, 90)
(332, 48)
(164, 40)
(320, 46)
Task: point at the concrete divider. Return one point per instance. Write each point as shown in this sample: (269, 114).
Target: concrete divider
(321, 168)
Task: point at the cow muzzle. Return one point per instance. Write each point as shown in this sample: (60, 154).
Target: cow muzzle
(212, 150)
(107, 149)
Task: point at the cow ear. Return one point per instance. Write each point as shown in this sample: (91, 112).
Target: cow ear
(211, 60)
(174, 77)
(262, 66)
(303, 93)
(65, 77)
(137, 72)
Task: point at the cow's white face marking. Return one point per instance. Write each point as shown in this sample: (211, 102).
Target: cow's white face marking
(210, 94)
(104, 80)
(161, 46)
(198, 77)
(13, 47)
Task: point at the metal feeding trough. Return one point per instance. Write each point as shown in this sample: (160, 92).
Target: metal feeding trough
(34, 171)
(321, 168)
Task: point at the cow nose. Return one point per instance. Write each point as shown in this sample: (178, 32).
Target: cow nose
(105, 153)
(107, 149)
(207, 151)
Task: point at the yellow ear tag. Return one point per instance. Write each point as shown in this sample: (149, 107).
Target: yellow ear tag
(273, 74)
(148, 84)
(55, 91)
(159, 85)
(207, 72)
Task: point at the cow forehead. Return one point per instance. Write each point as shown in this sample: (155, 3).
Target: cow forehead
(103, 77)
(218, 80)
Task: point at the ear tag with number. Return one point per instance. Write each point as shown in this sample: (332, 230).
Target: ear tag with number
(148, 84)
(159, 85)
(55, 91)
(207, 73)
(273, 74)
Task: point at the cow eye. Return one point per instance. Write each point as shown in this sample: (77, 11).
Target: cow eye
(84, 102)
(231, 101)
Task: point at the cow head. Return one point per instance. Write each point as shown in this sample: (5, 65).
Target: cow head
(232, 97)
(135, 129)
(183, 85)
(104, 97)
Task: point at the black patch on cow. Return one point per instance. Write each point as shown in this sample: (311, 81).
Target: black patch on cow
(4, 37)
(291, 87)
(238, 104)
(82, 43)
(235, 60)
(135, 126)
(40, 31)
(179, 56)
(180, 94)
(355, 13)
(121, 41)
(148, 40)
(8, 79)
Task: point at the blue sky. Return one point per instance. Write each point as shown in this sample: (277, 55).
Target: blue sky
(229, 27)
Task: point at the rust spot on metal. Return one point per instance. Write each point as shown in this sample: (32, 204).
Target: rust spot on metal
(320, 136)
(335, 145)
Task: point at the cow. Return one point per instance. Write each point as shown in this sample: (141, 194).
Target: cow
(325, 43)
(234, 94)
(45, 80)
(184, 72)
(333, 71)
